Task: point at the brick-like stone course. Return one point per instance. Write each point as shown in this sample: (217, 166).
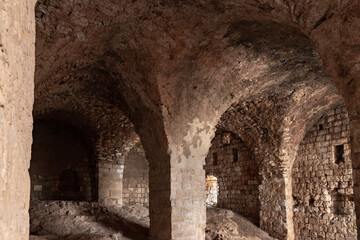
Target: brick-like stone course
(110, 178)
(136, 177)
(238, 181)
(322, 188)
(110, 168)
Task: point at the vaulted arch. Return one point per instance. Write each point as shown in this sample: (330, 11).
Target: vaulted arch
(174, 68)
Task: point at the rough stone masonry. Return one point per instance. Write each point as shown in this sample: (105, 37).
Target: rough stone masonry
(168, 74)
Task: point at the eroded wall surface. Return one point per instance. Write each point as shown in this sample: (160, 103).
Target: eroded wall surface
(17, 37)
(238, 178)
(323, 182)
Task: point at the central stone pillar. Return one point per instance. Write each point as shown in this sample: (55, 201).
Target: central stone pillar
(17, 62)
(177, 200)
(273, 207)
(110, 177)
(188, 209)
(177, 185)
(159, 196)
(276, 213)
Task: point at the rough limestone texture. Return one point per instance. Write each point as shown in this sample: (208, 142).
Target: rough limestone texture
(175, 67)
(171, 63)
(110, 178)
(272, 126)
(227, 224)
(60, 220)
(111, 164)
(109, 134)
(136, 177)
(237, 173)
(17, 61)
(323, 188)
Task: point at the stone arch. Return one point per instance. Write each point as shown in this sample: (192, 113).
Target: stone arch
(316, 20)
(108, 131)
(222, 77)
(257, 122)
(268, 124)
(61, 167)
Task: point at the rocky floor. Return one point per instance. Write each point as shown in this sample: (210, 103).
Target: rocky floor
(58, 220)
(62, 220)
(224, 224)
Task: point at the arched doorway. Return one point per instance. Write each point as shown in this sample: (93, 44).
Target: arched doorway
(60, 167)
(212, 190)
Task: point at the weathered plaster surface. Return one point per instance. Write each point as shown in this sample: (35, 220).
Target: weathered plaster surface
(17, 61)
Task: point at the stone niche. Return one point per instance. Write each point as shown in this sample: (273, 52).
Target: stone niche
(237, 173)
(322, 181)
(136, 177)
(60, 168)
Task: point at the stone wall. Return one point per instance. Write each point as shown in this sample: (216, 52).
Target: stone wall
(232, 162)
(61, 166)
(111, 166)
(17, 59)
(109, 133)
(110, 175)
(322, 181)
(136, 177)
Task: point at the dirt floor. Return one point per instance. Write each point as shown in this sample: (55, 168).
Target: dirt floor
(63, 220)
(224, 224)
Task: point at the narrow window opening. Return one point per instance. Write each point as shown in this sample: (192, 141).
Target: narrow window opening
(235, 155)
(339, 154)
(226, 138)
(339, 204)
(311, 202)
(215, 158)
(320, 127)
(212, 190)
(296, 201)
(342, 203)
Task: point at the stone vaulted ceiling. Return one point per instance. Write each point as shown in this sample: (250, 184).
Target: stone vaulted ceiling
(170, 62)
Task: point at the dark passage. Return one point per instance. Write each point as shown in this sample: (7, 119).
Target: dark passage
(60, 165)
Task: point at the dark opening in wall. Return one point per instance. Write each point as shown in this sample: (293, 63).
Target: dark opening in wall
(320, 127)
(69, 181)
(339, 204)
(235, 155)
(311, 201)
(343, 204)
(215, 159)
(296, 201)
(339, 154)
(61, 163)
